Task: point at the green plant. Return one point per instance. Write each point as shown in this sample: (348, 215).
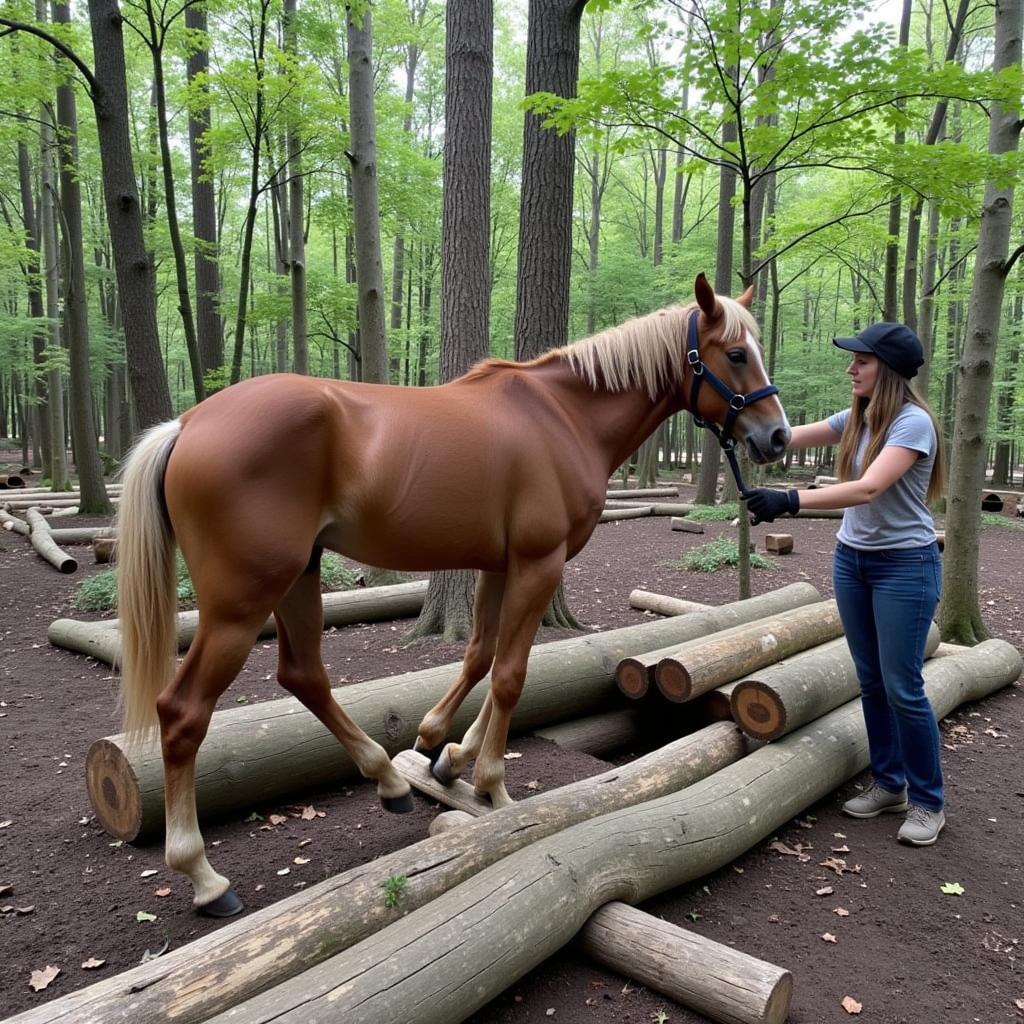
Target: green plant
(995, 519)
(394, 889)
(98, 593)
(719, 554)
(335, 575)
(713, 513)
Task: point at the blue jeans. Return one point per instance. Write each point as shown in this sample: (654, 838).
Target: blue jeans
(886, 601)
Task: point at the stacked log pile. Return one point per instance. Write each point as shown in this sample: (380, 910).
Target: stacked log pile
(488, 899)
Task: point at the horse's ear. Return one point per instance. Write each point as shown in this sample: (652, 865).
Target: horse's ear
(747, 297)
(706, 298)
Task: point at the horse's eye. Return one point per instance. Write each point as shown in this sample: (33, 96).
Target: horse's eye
(737, 355)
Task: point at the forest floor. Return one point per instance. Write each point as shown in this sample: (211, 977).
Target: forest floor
(906, 951)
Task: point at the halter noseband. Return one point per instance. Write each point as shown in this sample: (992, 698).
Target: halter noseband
(736, 403)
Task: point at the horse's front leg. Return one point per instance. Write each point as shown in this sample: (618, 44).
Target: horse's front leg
(184, 708)
(530, 587)
(434, 729)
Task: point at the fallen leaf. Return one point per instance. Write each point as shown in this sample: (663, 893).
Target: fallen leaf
(826, 891)
(1019, 1003)
(301, 860)
(5, 824)
(841, 912)
(953, 889)
(254, 817)
(309, 813)
(149, 873)
(788, 851)
(24, 910)
(549, 1012)
(511, 755)
(285, 871)
(839, 866)
(147, 956)
(162, 892)
(850, 1005)
(829, 937)
(6, 890)
(92, 963)
(278, 819)
(305, 842)
(142, 915)
(841, 849)
(40, 979)
(534, 784)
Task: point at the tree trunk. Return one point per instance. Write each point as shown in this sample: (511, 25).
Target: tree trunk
(76, 308)
(136, 283)
(890, 311)
(297, 208)
(442, 962)
(373, 342)
(209, 327)
(959, 612)
(926, 316)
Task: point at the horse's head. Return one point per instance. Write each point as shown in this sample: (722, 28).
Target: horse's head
(728, 383)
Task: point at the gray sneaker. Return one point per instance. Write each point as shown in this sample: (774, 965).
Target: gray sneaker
(922, 826)
(874, 801)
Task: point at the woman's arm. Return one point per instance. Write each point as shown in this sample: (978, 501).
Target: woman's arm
(814, 435)
(892, 462)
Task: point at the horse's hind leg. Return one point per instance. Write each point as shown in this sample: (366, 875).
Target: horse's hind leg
(300, 670)
(434, 729)
(215, 657)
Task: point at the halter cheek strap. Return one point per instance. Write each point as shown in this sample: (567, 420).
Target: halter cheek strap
(736, 403)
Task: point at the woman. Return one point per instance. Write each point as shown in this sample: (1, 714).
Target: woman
(888, 572)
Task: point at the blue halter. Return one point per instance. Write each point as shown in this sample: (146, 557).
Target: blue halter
(736, 403)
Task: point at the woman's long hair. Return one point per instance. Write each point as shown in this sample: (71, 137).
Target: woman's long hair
(892, 392)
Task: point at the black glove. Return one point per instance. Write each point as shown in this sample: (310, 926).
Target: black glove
(766, 504)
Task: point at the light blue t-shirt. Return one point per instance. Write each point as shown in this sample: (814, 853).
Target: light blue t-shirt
(899, 518)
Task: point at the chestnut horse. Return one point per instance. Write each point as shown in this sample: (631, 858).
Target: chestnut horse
(503, 470)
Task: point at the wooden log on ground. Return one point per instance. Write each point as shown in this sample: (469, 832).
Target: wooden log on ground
(716, 980)
(45, 546)
(267, 947)
(21, 502)
(341, 608)
(658, 508)
(275, 749)
(778, 543)
(716, 704)
(610, 515)
(103, 549)
(13, 523)
(46, 492)
(11, 481)
(642, 492)
(662, 604)
(702, 667)
(683, 525)
(442, 962)
(80, 534)
(596, 734)
(635, 675)
(800, 689)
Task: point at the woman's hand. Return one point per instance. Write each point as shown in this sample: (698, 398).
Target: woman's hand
(766, 503)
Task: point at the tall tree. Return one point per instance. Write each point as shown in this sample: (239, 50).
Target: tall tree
(465, 252)
(892, 245)
(362, 157)
(209, 327)
(76, 309)
(296, 199)
(960, 614)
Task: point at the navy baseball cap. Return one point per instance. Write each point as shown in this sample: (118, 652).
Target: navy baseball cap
(895, 344)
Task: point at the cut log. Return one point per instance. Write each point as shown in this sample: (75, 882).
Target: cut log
(265, 948)
(341, 608)
(104, 549)
(716, 980)
(635, 675)
(11, 481)
(683, 525)
(97, 640)
(80, 534)
(442, 962)
(13, 523)
(662, 604)
(22, 502)
(643, 492)
(45, 546)
(716, 704)
(658, 508)
(800, 689)
(820, 513)
(272, 750)
(721, 659)
(778, 543)
(612, 514)
(596, 734)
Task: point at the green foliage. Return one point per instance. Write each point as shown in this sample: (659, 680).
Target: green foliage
(98, 593)
(394, 889)
(714, 513)
(335, 575)
(994, 519)
(720, 553)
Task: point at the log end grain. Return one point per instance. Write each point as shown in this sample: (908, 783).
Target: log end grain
(104, 549)
(632, 679)
(778, 543)
(758, 711)
(673, 680)
(113, 790)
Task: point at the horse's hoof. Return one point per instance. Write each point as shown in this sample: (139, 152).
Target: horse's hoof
(442, 769)
(398, 804)
(223, 906)
(430, 753)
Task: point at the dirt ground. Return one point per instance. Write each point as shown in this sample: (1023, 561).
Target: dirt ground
(906, 951)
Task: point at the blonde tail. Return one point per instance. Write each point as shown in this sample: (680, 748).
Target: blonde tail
(147, 594)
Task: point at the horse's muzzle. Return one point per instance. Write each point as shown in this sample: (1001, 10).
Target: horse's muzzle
(768, 447)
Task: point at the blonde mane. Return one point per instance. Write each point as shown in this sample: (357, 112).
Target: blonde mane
(647, 352)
